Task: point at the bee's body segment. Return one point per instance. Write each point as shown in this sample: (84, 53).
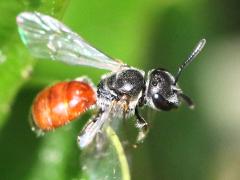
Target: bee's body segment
(61, 103)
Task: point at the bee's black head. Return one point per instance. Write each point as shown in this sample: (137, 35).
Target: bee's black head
(162, 91)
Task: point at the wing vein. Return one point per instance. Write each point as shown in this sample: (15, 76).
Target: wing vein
(48, 38)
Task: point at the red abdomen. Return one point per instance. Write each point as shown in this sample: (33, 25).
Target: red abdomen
(63, 102)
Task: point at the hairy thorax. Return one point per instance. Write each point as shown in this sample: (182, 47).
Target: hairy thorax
(121, 91)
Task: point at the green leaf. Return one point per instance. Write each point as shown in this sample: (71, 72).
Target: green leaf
(112, 164)
(59, 158)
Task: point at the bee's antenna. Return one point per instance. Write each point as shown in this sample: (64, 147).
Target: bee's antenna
(193, 55)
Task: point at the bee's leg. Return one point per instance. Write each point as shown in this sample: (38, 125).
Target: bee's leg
(124, 102)
(91, 129)
(142, 125)
(122, 105)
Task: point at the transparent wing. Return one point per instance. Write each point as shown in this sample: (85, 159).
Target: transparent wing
(48, 38)
(93, 127)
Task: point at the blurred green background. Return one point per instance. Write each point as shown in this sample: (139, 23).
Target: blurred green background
(200, 144)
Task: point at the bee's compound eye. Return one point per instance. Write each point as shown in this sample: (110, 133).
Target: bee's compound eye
(161, 103)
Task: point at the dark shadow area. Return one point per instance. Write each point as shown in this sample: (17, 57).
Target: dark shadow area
(18, 144)
(224, 17)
